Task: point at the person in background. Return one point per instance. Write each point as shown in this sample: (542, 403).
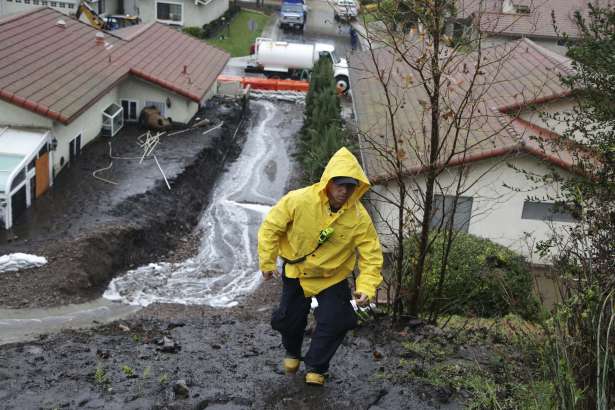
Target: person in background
(354, 39)
(318, 231)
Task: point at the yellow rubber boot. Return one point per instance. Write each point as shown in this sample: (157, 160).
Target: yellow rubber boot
(315, 379)
(291, 365)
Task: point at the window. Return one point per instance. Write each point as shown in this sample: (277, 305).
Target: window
(53, 4)
(44, 3)
(169, 12)
(545, 211)
(43, 150)
(19, 178)
(70, 5)
(522, 9)
(160, 105)
(130, 110)
(102, 7)
(26, 1)
(36, 2)
(443, 206)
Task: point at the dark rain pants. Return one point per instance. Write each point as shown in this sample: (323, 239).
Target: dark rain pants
(334, 317)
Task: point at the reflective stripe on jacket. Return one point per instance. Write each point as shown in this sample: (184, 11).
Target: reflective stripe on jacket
(291, 231)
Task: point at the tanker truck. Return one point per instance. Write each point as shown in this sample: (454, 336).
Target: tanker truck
(281, 59)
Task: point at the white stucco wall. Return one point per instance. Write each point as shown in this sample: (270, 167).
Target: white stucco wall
(496, 209)
(88, 124)
(181, 110)
(15, 116)
(192, 15)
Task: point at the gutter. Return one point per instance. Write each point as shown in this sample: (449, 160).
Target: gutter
(518, 106)
(33, 106)
(458, 160)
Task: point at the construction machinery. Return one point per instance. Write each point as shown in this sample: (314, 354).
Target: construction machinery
(108, 23)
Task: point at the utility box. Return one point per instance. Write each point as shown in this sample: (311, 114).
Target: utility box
(113, 120)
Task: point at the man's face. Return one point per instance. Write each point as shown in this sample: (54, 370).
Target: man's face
(339, 194)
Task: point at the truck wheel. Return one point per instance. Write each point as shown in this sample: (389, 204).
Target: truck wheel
(342, 83)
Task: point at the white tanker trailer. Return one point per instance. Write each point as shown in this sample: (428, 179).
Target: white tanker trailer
(295, 60)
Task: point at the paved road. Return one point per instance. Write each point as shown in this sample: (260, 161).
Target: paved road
(321, 27)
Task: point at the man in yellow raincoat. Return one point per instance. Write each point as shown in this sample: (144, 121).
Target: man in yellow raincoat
(318, 231)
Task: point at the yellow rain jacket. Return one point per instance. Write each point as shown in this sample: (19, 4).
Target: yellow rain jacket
(292, 227)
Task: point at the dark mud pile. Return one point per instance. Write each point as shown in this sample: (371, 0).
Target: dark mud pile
(179, 357)
(90, 230)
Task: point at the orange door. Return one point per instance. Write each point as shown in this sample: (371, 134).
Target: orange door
(42, 174)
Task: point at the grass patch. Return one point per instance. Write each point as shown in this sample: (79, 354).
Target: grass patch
(368, 17)
(486, 363)
(240, 38)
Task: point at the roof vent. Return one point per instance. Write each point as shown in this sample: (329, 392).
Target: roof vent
(61, 23)
(100, 38)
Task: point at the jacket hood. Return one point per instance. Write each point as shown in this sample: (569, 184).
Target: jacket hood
(344, 164)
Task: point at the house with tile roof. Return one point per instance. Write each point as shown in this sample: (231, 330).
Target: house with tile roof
(171, 12)
(68, 7)
(497, 142)
(542, 21)
(71, 83)
(187, 13)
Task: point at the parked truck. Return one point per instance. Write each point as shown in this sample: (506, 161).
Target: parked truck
(293, 14)
(282, 59)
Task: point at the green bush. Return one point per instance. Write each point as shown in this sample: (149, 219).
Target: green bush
(483, 278)
(322, 133)
(194, 32)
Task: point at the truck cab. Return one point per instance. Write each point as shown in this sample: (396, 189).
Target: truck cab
(293, 14)
(340, 65)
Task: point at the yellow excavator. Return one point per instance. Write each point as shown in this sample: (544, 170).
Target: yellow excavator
(104, 23)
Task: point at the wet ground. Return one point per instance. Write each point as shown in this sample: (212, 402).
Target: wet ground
(177, 356)
(90, 230)
(196, 357)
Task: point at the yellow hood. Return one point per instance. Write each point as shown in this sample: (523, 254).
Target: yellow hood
(344, 164)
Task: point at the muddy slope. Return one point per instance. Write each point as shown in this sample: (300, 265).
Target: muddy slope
(132, 230)
(182, 357)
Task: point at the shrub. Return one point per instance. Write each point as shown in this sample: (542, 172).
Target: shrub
(194, 31)
(483, 278)
(322, 133)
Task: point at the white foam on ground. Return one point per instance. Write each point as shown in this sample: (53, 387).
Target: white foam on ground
(288, 96)
(17, 261)
(226, 266)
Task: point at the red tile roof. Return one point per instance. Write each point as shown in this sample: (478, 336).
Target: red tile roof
(512, 76)
(538, 23)
(60, 71)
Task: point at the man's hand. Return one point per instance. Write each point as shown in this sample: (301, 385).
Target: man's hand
(269, 274)
(360, 299)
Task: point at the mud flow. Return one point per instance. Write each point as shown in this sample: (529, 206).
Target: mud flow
(226, 264)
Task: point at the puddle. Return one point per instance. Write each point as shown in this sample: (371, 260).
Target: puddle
(20, 325)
